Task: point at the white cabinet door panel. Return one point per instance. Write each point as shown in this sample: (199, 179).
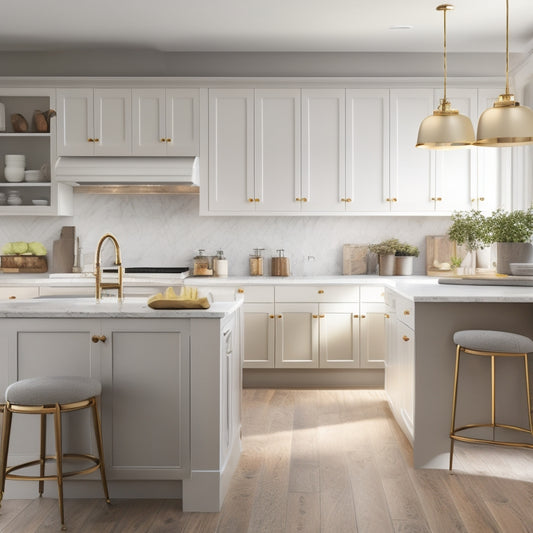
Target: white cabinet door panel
(323, 150)
(231, 150)
(259, 332)
(112, 122)
(148, 115)
(373, 338)
(277, 150)
(183, 122)
(339, 335)
(75, 122)
(367, 150)
(412, 169)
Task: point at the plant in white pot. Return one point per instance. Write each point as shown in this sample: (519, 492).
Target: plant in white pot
(405, 254)
(472, 230)
(512, 232)
(386, 252)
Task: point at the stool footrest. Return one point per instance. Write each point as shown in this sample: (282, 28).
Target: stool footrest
(83, 471)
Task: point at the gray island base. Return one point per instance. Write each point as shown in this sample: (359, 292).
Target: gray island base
(171, 393)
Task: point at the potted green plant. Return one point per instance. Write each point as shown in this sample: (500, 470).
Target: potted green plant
(512, 231)
(472, 230)
(386, 251)
(405, 254)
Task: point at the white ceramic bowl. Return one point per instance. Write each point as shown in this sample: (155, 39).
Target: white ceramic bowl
(32, 175)
(521, 269)
(14, 174)
(15, 160)
(39, 201)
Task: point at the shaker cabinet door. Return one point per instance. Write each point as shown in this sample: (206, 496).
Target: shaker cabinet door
(182, 119)
(75, 122)
(148, 116)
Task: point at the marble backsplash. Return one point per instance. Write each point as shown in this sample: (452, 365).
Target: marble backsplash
(167, 231)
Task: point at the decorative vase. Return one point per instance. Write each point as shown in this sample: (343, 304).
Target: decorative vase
(404, 265)
(512, 252)
(483, 257)
(386, 265)
(469, 263)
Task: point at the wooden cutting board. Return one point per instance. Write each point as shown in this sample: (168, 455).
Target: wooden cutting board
(354, 259)
(24, 264)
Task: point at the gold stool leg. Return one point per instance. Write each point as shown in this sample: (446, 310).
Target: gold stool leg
(6, 431)
(59, 462)
(454, 402)
(528, 394)
(43, 454)
(100, 445)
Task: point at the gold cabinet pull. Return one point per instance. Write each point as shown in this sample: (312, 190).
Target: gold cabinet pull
(257, 199)
(343, 199)
(405, 338)
(169, 140)
(240, 291)
(433, 198)
(89, 140)
(321, 316)
(388, 200)
(12, 298)
(356, 316)
(473, 200)
(363, 316)
(395, 199)
(270, 316)
(482, 199)
(96, 140)
(298, 199)
(406, 312)
(250, 200)
(315, 316)
(348, 200)
(320, 291)
(304, 199)
(387, 315)
(162, 139)
(439, 199)
(99, 338)
(280, 316)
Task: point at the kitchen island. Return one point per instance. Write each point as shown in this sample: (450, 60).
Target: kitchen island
(171, 392)
(419, 372)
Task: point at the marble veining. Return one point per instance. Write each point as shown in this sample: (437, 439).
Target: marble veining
(167, 231)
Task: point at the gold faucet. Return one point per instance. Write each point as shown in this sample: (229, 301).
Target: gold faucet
(98, 268)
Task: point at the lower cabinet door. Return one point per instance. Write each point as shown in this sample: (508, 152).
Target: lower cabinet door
(296, 335)
(373, 339)
(145, 371)
(406, 373)
(259, 332)
(339, 335)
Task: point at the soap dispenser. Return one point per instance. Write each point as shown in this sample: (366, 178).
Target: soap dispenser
(220, 265)
(256, 262)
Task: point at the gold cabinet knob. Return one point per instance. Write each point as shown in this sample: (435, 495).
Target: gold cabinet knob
(96, 140)
(356, 316)
(304, 199)
(240, 291)
(315, 316)
(89, 140)
(320, 291)
(12, 298)
(406, 312)
(343, 199)
(250, 200)
(298, 199)
(439, 198)
(169, 140)
(482, 199)
(162, 139)
(473, 200)
(386, 315)
(395, 199)
(348, 200)
(99, 338)
(433, 198)
(405, 338)
(321, 316)
(388, 200)
(257, 199)
(363, 316)
(280, 316)
(270, 316)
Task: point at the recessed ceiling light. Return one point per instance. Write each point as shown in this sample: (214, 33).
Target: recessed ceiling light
(401, 27)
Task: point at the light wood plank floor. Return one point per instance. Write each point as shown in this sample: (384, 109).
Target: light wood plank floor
(329, 461)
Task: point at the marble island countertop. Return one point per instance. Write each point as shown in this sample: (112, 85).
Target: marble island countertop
(107, 308)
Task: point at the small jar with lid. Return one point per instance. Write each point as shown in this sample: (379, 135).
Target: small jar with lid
(14, 198)
(256, 262)
(220, 265)
(201, 265)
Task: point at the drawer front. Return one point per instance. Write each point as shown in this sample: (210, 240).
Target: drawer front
(318, 293)
(67, 291)
(256, 293)
(405, 310)
(372, 294)
(19, 293)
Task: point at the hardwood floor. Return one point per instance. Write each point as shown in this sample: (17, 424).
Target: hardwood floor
(329, 461)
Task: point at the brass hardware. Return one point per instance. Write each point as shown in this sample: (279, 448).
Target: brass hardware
(405, 338)
(304, 199)
(320, 291)
(162, 140)
(348, 200)
(257, 199)
(356, 316)
(482, 199)
(382, 294)
(387, 315)
(388, 200)
(98, 338)
(250, 199)
(98, 268)
(96, 140)
(315, 316)
(439, 199)
(270, 316)
(169, 140)
(473, 200)
(433, 198)
(240, 291)
(298, 199)
(395, 199)
(343, 199)
(363, 316)
(406, 312)
(12, 298)
(280, 316)
(89, 140)
(321, 316)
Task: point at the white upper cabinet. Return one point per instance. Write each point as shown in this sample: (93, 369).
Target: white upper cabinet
(367, 150)
(411, 168)
(456, 170)
(94, 122)
(277, 150)
(231, 151)
(323, 183)
(165, 122)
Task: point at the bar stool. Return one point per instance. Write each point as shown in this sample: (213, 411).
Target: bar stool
(52, 395)
(487, 343)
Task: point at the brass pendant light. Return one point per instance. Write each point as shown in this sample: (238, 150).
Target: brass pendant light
(507, 123)
(445, 129)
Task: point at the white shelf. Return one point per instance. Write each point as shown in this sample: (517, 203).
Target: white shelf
(17, 184)
(28, 134)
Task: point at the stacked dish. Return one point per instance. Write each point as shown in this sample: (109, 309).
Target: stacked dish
(521, 269)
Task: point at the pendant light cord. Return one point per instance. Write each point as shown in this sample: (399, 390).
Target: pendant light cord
(507, 47)
(445, 57)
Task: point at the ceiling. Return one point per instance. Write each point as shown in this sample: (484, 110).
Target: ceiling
(263, 25)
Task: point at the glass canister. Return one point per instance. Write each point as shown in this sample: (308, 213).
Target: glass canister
(280, 264)
(201, 265)
(256, 262)
(220, 265)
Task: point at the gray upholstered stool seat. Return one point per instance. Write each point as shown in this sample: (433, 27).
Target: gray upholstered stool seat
(52, 396)
(493, 341)
(52, 390)
(491, 345)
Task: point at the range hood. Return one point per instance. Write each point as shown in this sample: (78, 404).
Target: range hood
(127, 170)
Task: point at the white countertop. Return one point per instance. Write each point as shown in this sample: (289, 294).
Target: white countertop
(106, 308)
(201, 281)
